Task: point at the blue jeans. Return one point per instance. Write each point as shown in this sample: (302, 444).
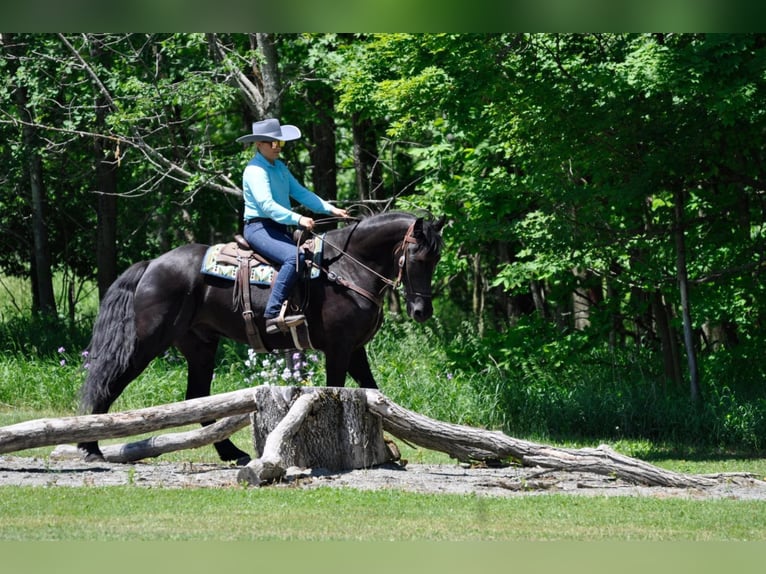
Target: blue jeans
(274, 242)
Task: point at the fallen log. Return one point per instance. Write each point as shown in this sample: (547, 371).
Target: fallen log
(157, 445)
(52, 431)
(271, 464)
(469, 443)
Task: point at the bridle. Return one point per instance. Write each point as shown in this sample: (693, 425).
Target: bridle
(402, 248)
(409, 238)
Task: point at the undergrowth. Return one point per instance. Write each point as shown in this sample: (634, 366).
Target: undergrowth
(519, 382)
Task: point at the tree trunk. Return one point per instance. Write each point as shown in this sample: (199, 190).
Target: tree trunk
(322, 151)
(106, 160)
(467, 443)
(161, 444)
(667, 337)
(260, 90)
(683, 287)
(538, 296)
(581, 300)
(43, 266)
(369, 173)
(269, 75)
(477, 304)
(44, 295)
(45, 432)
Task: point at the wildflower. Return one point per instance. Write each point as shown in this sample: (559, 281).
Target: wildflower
(62, 362)
(276, 368)
(85, 354)
(62, 350)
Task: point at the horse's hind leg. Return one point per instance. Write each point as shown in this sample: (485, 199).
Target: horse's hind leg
(200, 357)
(101, 403)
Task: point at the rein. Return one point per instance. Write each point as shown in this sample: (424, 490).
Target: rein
(335, 278)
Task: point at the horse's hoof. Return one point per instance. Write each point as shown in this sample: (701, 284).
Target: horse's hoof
(243, 460)
(94, 457)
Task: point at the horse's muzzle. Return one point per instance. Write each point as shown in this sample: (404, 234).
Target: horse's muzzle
(420, 308)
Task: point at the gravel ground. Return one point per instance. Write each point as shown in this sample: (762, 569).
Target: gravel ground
(422, 478)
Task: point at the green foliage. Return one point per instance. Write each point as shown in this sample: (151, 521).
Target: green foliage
(562, 388)
(565, 163)
(410, 365)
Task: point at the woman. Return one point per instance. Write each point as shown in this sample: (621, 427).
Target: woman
(267, 187)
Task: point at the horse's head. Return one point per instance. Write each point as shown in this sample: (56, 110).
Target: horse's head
(421, 249)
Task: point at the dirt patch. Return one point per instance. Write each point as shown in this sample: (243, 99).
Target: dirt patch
(422, 478)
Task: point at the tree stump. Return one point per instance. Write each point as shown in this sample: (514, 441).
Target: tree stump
(329, 428)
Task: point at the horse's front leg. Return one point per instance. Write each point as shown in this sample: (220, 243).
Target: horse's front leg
(200, 358)
(359, 369)
(336, 367)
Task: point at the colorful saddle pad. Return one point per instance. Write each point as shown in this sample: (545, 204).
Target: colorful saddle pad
(225, 267)
(220, 261)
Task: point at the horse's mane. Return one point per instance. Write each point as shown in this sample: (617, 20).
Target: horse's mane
(430, 239)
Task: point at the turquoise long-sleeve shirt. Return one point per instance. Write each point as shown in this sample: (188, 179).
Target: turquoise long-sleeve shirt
(267, 189)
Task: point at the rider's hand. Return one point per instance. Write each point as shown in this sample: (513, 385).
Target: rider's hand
(306, 222)
(339, 212)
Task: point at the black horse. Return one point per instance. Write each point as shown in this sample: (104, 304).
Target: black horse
(168, 302)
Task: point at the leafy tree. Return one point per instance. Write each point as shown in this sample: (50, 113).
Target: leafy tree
(604, 190)
(588, 173)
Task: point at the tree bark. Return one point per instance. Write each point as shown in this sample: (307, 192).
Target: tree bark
(308, 427)
(269, 75)
(467, 443)
(161, 444)
(45, 432)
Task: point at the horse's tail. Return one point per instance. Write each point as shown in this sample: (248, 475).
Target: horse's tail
(114, 337)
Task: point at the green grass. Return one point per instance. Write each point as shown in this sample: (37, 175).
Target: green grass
(237, 514)
(133, 513)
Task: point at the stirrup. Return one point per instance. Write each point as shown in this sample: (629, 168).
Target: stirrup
(283, 323)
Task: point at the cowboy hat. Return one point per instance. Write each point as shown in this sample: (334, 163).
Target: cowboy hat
(269, 131)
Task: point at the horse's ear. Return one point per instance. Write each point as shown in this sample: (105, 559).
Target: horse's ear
(440, 223)
(418, 227)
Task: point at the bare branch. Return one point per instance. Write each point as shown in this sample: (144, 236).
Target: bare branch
(165, 167)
